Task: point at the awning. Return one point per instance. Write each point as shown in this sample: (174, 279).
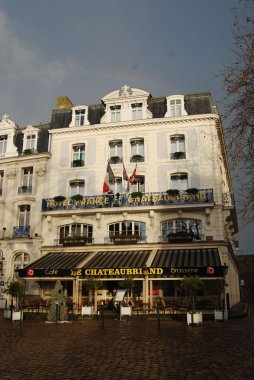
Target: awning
(55, 264)
(116, 263)
(189, 262)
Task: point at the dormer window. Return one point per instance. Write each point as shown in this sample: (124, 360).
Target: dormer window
(80, 117)
(31, 142)
(136, 111)
(175, 106)
(3, 144)
(115, 112)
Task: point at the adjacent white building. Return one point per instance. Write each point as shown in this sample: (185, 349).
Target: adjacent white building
(176, 215)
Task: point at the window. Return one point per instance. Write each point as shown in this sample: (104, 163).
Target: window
(128, 228)
(24, 215)
(175, 107)
(139, 184)
(137, 150)
(20, 261)
(179, 181)
(177, 147)
(79, 117)
(136, 111)
(1, 181)
(77, 187)
(115, 113)
(31, 142)
(75, 230)
(116, 186)
(3, 144)
(116, 151)
(78, 155)
(181, 225)
(26, 181)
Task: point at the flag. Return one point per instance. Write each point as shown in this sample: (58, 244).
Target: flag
(109, 178)
(133, 176)
(125, 175)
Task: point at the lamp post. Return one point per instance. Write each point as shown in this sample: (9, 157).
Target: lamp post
(145, 285)
(2, 258)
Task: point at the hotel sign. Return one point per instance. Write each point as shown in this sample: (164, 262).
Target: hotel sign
(210, 271)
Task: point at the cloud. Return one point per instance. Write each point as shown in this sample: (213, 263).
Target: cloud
(20, 62)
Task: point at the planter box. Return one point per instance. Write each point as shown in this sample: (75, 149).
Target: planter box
(17, 316)
(197, 318)
(218, 315)
(87, 310)
(7, 314)
(125, 310)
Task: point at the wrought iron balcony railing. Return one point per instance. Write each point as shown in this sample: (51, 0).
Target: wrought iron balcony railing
(125, 239)
(74, 240)
(24, 189)
(228, 199)
(203, 196)
(21, 232)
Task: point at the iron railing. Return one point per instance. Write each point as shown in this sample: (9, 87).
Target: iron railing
(21, 232)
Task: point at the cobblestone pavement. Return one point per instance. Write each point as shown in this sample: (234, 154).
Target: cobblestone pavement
(133, 349)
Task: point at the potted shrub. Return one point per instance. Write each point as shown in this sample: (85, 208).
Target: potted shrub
(137, 158)
(190, 286)
(77, 163)
(218, 286)
(15, 289)
(136, 194)
(178, 155)
(59, 198)
(192, 190)
(77, 197)
(173, 192)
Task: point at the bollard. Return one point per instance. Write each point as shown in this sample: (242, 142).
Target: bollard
(158, 317)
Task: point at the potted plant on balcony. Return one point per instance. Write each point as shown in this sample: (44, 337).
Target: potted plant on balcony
(137, 158)
(173, 192)
(77, 197)
(136, 194)
(190, 287)
(178, 155)
(115, 160)
(192, 190)
(59, 198)
(15, 289)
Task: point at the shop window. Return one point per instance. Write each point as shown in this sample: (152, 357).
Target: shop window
(177, 145)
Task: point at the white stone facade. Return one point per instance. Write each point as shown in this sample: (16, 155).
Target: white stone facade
(176, 151)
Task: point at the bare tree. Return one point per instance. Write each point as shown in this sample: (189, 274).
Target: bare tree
(239, 88)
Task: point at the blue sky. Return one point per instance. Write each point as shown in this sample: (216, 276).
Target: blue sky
(86, 49)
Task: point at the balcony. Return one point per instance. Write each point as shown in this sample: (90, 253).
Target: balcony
(203, 196)
(177, 156)
(25, 190)
(21, 232)
(74, 240)
(115, 160)
(137, 158)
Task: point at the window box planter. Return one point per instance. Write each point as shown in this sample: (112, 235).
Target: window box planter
(27, 151)
(195, 318)
(137, 158)
(69, 241)
(77, 197)
(125, 239)
(218, 315)
(125, 310)
(87, 310)
(115, 160)
(77, 163)
(59, 198)
(180, 237)
(178, 155)
(136, 194)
